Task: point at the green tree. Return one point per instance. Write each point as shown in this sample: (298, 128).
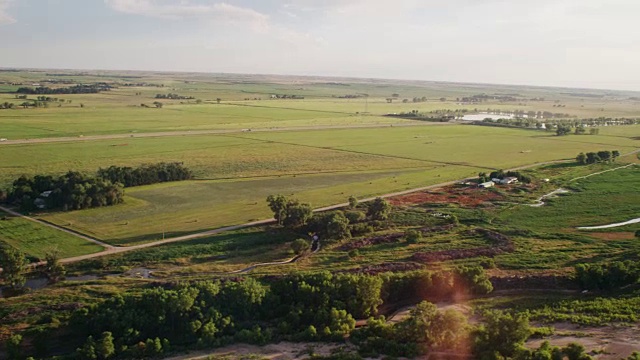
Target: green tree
(338, 226)
(278, 205)
(297, 214)
(604, 155)
(563, 130)
(104, 346)
(592, 158)
(502, 335)
(580, 130)
(581, 159)
(53, 269)
(88, 350)
(14, 265)
(615, 154)
(14, 347)
(300, 246)
(379, 209)
(575, 351)
(412, 236)
(353, 202)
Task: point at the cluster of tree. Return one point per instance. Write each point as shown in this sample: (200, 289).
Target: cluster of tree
(348, 96)
(329, 225)
(484, 97)
(76, 89)
(426, 329)
(71, 191)
(563, 129)
(313, 306)
(173, 97)
(6, 105)
(285, 96)
(14, 267)
(146, 174)
(609, 276)
(416, 115)
(501, 174)
(596, 157)
(416, 100)
(289, 212)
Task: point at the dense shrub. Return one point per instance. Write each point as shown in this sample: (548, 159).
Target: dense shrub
(146, 174)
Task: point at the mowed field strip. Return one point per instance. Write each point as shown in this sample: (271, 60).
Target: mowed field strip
(236, 172)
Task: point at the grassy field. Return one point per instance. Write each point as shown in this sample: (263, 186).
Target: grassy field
(542, 242)
(323, 167)
(35, 239)
(598, 200)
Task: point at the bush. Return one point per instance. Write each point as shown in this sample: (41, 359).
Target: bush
(355, 216)
(412, 236)
(361, 229)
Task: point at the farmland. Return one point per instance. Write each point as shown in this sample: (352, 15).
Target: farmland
(326, 141)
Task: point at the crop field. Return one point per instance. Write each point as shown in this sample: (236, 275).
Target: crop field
(542, 242)
(236, 172)
(35, 239)
(319, 141)
(352, 163)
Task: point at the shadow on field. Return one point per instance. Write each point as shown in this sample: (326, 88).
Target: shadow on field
(568, 165)
(607, 257)
(142, 239)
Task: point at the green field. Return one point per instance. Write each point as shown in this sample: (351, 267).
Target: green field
(35, 240)
(323, 167)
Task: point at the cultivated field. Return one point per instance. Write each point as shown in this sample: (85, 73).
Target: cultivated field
(243, 142)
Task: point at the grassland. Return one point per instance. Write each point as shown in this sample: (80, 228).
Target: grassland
(35, 239)
(236, 172)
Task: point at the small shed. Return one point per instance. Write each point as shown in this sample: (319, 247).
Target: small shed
(487, 184)
(509, 180)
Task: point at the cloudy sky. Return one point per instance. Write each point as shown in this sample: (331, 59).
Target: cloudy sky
(575, 43)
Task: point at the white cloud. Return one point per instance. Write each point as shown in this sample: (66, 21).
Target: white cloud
(5, 18)
(174, 9)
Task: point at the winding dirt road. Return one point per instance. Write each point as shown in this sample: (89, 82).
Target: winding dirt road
(110, 249)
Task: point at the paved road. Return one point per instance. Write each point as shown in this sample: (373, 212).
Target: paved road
(206, 132)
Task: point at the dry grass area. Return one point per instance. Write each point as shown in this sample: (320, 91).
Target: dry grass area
(603, 343)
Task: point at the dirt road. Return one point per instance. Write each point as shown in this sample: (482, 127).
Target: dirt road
(109, 249)
(204, 132)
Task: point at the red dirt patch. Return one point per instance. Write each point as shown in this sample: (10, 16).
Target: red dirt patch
(469, 197)
(613, 235)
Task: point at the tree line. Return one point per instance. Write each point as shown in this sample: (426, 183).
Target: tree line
(301, 307)
(596, 157)
(173, 96)
(609, 276)
(157, 321)
(76, 89)
(146, 174)
(71, 191)
(77, 191)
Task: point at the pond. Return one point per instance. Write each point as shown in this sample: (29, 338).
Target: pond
(482, 116)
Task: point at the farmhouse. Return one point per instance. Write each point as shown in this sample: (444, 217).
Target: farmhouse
(509, 180)
(487, 184)
(41, 202)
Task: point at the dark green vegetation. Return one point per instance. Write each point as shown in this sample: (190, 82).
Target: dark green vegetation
(72, 191)
(75, 191)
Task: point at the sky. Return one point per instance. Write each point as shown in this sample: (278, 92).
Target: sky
(572, 43)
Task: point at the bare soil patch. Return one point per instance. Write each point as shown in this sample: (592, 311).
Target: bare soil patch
(613, 235)
(604, 343)
(467, 197)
